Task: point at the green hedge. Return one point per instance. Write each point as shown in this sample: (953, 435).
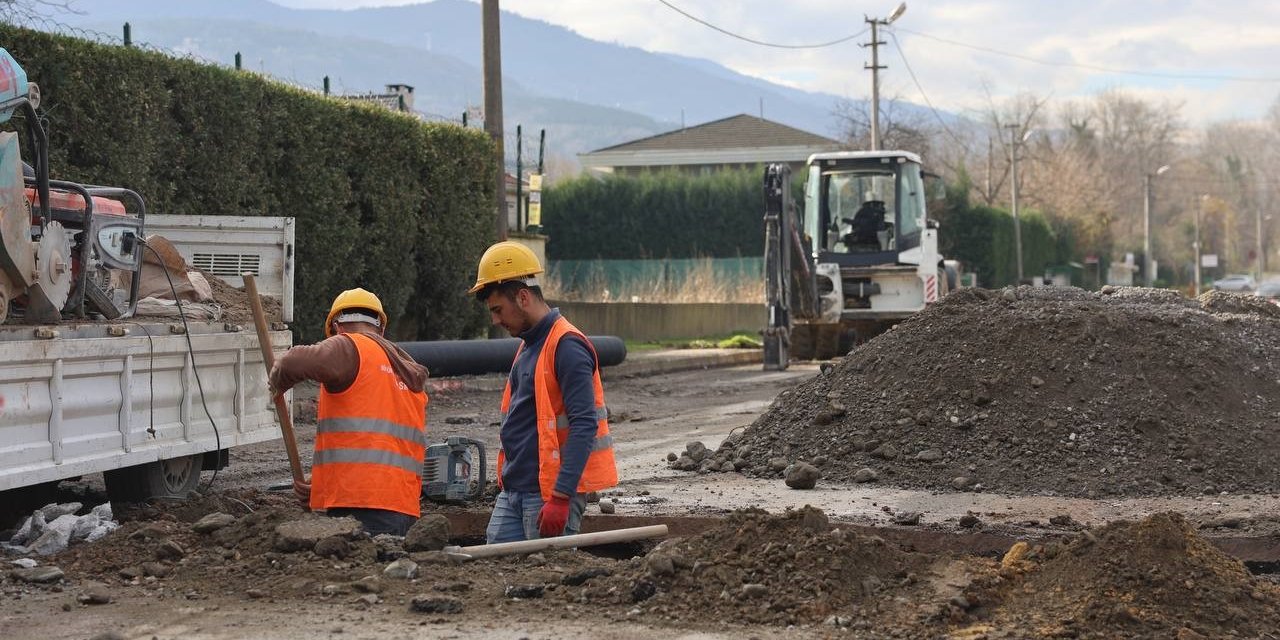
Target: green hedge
(982, 238)
(381, 199)
(659, 215)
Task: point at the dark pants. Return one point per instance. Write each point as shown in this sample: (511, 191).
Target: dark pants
(376, 521)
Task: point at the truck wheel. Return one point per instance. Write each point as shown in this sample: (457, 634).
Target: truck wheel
(172, 478)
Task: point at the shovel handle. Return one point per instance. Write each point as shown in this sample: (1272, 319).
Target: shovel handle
(269, 360)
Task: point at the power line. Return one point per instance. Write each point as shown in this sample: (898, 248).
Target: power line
(1093, 67)
(753, 40)
(898, 46)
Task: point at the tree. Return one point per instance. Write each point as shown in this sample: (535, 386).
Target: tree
(900, 128)
(20, 11)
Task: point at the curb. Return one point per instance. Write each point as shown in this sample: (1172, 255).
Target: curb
(683, 360)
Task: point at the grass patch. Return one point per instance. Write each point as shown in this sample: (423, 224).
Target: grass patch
(735, 341)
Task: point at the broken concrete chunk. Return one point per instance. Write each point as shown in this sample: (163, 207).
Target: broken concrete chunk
(303, 534)
(54, 511)
(38, 575)
(402, 569)
(213, 522)
(429, 533)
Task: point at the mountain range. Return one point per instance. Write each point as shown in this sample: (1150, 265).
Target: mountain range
(587, 94)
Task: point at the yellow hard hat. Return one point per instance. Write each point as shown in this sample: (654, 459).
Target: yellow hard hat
(354, 299)
(505, 261)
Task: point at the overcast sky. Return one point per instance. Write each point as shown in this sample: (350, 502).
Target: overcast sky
(1173, 37)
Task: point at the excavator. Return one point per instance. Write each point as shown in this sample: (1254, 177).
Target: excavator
(67, 250)
(861, 256)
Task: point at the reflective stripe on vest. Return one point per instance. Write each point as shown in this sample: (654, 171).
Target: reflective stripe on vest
(371, 456)
(370, 439)
(369, 425)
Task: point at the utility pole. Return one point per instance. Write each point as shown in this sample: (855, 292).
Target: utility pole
(490, 16)
(1258, 237)
(520, 225)
(542, 148)
(1148, 275)
(1196, 267)
(1013, 193)
(875, 68)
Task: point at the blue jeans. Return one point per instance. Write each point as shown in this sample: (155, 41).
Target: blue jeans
(515, 516)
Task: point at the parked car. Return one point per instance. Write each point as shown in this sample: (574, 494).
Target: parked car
(1270, 290)
(1235, 282)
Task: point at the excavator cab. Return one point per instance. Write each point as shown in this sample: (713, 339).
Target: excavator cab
(864, 207)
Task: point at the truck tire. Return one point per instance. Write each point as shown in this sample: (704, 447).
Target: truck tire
(172, 478)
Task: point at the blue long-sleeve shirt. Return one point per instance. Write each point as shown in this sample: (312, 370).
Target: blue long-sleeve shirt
(575, 366)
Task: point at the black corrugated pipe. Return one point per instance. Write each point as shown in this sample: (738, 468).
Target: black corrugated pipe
(473, 357)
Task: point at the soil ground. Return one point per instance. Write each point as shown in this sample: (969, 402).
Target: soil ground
(651, 416)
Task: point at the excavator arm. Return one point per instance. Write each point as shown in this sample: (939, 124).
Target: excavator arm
(790, 285)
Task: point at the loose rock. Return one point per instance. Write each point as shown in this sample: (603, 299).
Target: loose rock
(402, 569)
(580, 578)
(303, 534)
(213, 522)
(429, 533)
(38, 575)
(332, 547)
(524, 591)
(803, 476)
(436, 604)
(907, 518)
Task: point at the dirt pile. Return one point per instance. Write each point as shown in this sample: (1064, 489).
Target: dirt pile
(762, 569)
(235, 302)
(249, 545)
(1150, 579)
(1046, 391)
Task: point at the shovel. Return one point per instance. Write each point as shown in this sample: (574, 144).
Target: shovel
(269, 359)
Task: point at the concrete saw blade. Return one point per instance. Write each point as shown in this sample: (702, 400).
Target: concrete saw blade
(53, 275)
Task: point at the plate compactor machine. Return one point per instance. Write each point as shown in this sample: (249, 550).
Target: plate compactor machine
(66, 249)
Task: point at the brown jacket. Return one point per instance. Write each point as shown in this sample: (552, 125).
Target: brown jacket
(334, 362)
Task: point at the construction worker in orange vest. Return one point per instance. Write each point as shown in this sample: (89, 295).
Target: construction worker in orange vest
(555, 437)
(371, 420)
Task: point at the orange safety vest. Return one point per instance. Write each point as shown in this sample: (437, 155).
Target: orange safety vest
(601, 471)
(370, 439)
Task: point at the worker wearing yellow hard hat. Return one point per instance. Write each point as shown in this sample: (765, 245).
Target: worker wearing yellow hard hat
(371, 418)
(543, 474)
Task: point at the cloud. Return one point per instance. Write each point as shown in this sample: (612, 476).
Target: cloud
(1187, 37)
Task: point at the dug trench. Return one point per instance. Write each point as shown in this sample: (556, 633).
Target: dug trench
(795, 572)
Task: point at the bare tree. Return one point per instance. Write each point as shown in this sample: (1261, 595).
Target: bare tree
(900, 128)
(1021, 113)
(18, 11)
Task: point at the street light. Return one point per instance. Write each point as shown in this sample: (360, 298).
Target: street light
(1013, 192)
(875, 68)
(1148, 277)
(897, 13)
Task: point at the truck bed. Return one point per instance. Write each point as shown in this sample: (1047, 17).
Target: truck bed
(80, 399)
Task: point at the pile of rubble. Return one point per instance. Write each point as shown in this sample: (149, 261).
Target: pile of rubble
(794, 569)
(54, 527)
(1045, 391)
(1150, 579)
